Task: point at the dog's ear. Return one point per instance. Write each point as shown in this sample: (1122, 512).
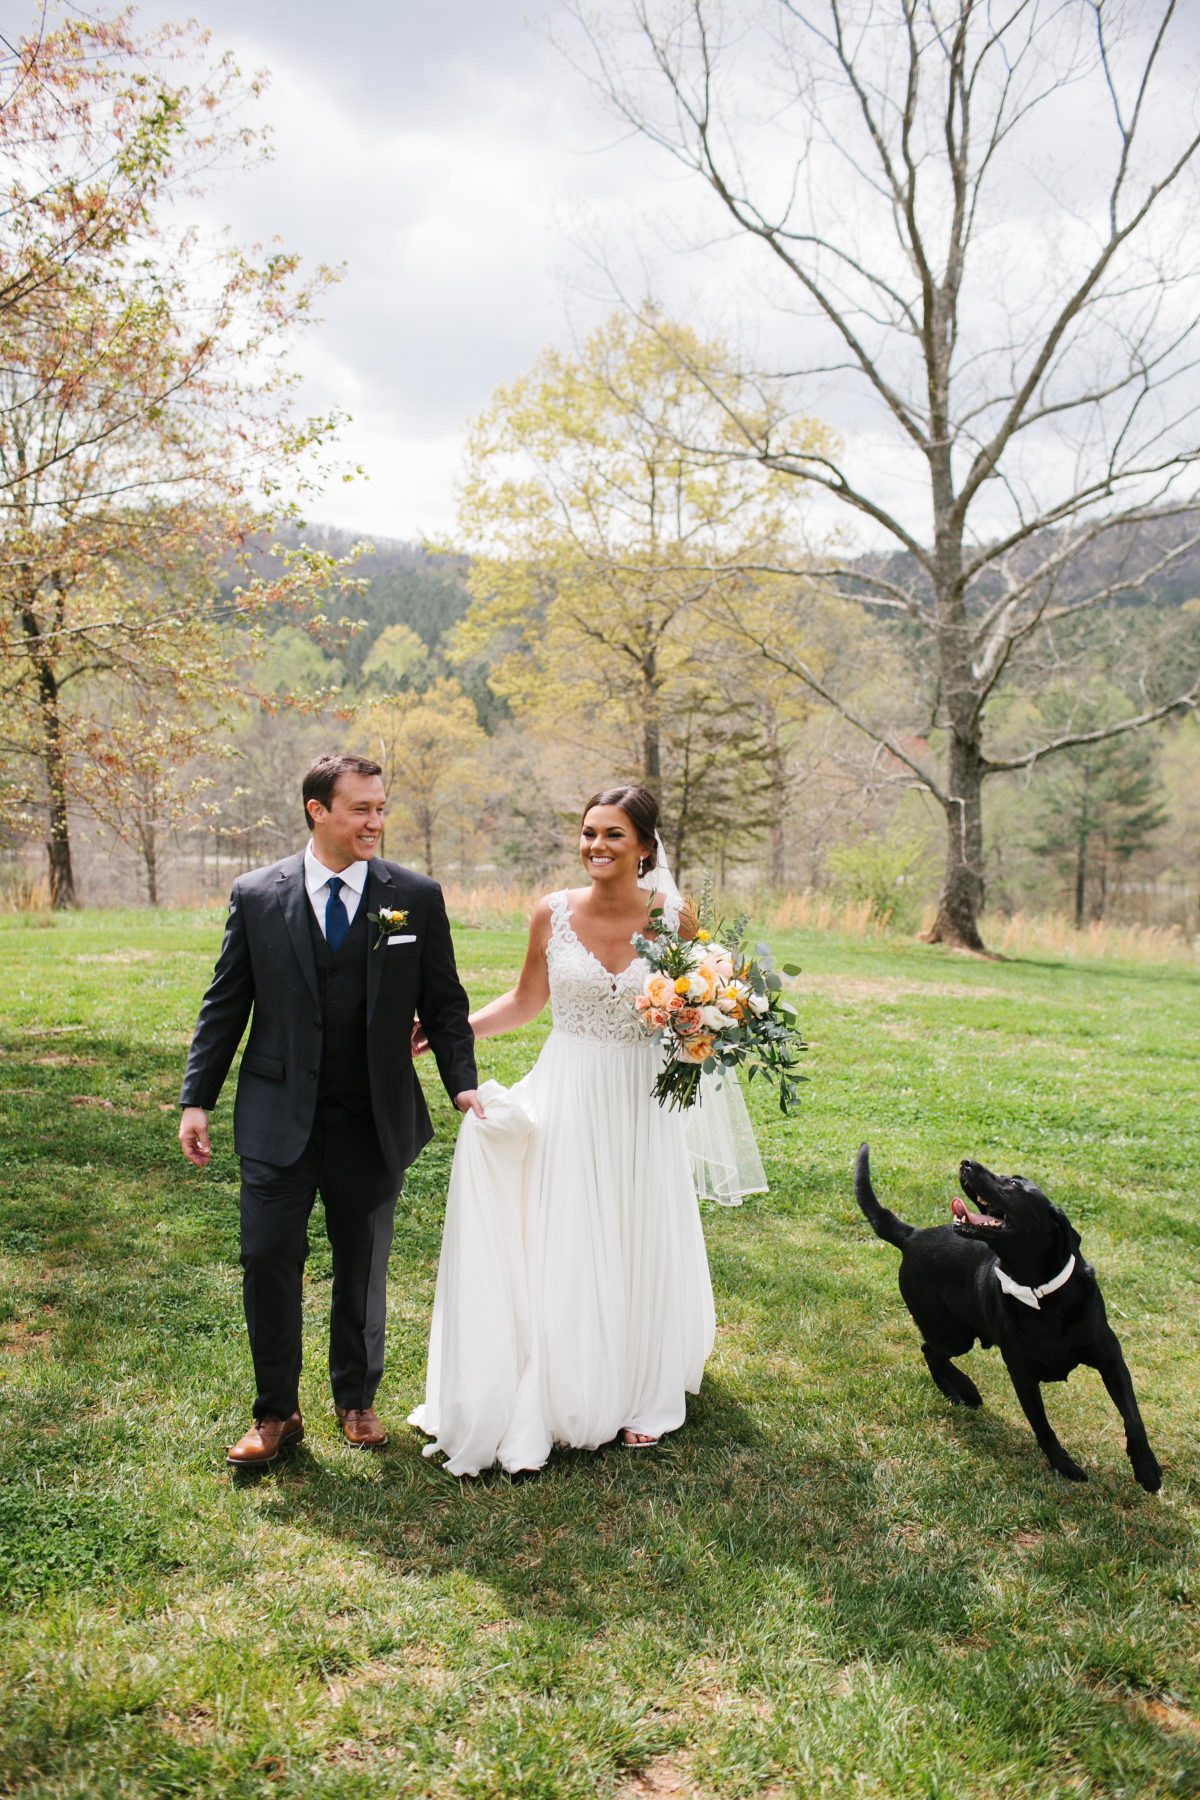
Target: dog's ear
(1071, 1238)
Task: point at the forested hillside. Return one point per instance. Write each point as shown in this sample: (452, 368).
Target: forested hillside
(485, 776)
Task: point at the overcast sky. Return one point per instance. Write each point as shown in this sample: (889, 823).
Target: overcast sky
(446, 153)
(446, 156)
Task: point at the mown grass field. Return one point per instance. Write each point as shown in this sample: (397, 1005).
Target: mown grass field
(830, 1582)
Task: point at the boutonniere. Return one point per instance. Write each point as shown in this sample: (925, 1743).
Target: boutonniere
(387, 920)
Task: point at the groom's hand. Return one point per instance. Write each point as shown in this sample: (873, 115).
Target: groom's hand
(469, 1101)
(420, 1043)
(193, 1136)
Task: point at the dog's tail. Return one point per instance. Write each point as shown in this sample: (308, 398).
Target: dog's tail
(883, 1223)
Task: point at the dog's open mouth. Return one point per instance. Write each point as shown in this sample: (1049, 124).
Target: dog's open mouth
(979, 1221)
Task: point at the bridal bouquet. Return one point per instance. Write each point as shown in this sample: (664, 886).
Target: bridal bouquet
(714, 1005)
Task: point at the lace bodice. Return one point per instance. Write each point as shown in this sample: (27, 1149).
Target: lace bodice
(586, 999)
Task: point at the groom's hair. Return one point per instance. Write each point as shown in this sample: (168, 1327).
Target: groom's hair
(322, 776)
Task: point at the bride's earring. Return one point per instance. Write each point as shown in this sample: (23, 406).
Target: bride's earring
(641, 866)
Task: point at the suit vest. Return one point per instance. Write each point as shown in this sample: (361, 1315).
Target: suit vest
(342, 984)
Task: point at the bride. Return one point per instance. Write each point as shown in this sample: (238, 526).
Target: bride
(573, 1298)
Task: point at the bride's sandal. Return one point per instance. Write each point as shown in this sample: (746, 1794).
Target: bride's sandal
(636, 1440)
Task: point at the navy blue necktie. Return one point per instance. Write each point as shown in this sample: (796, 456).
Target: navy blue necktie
(337, 920)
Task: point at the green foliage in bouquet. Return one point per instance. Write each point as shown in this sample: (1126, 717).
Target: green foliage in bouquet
(715, 1002)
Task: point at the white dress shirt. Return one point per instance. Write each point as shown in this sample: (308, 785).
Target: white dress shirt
(316, 880)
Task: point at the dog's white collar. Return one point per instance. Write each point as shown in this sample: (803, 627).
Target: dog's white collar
(1033, 1296)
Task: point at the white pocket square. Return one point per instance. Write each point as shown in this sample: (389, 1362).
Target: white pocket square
(409, 938)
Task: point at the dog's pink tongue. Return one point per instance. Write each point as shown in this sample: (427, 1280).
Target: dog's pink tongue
(962, 1211)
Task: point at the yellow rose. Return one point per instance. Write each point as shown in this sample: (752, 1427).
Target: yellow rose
(683, 983)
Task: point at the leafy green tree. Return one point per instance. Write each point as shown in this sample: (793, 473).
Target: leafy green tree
(398, 659)
(601, 546)
(145, 418)
(1098, 804)
(430, 747)
(291, 666)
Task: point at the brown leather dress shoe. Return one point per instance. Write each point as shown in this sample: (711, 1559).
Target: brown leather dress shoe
(361, 1427)
(264, 1440)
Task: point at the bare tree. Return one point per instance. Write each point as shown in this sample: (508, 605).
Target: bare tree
(983, 211)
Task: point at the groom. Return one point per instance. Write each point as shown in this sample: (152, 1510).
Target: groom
(329, 954)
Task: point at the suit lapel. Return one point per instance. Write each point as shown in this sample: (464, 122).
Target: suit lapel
(377, 892)
(293, 898)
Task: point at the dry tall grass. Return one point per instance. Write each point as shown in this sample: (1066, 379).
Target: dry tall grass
(1053, 934)
(25, 894)
(809, 911)
(489, 905)
(506, 906)
(498, 906)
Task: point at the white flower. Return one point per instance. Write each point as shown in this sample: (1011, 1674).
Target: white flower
(759, 1004)
(715, 1018)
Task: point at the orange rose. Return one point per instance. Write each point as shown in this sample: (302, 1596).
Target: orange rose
(658, 990)
(706, 977)
(688, 1020)
(696, 1050)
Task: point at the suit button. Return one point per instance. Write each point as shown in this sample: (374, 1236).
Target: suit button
(316, 1024)
(312, 1074)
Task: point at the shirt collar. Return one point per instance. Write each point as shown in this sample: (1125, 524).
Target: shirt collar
(316, 874)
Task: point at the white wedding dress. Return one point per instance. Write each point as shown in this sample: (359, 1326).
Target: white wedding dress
(573, 1294)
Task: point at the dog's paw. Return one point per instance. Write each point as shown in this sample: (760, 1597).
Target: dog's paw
(1063, 1465)
(1147, 1473)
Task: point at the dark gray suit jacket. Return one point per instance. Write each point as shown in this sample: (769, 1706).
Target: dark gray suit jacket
(266, 973)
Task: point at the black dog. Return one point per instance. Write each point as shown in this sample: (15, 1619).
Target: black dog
(1011, 1275)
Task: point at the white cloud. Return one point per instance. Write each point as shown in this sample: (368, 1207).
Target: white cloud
(458, 166)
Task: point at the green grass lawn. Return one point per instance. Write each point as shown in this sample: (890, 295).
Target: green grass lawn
(830, 1582)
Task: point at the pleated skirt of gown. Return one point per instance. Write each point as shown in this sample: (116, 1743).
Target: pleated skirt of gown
(573, 1294)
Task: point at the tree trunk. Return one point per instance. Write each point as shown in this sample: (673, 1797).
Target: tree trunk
(651, 729)
(58, 835)
(778, 773)
(58, 839)
(675, 849)
(1080, 879)
(150, 861)
(1101, 904)
(427, 840)
(961, 900)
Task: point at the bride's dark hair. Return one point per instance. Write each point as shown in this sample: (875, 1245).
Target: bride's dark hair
(640, 808)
